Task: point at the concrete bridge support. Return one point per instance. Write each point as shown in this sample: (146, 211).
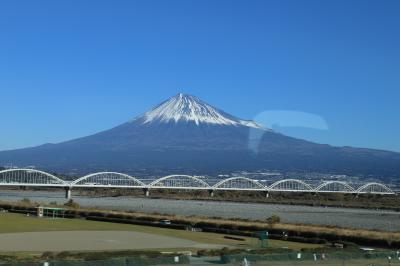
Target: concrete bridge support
(68, 194)
(146, 192)
(211, 193)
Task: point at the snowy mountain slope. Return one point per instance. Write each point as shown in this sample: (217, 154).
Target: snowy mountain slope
(188, 108)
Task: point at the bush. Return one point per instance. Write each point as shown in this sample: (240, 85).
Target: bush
(48, 255)
(72, 204)
(26, 200)
(72, 214)
(274, 219)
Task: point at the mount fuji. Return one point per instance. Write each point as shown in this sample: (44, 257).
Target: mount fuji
(186, 135)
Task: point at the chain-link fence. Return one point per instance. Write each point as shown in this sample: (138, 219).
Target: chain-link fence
(132, 261)
(306, 258)
(344, 258)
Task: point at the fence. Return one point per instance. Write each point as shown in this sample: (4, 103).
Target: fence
(131, 261)
(345, 258)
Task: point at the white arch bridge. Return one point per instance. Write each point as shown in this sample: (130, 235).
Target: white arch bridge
(36, 178)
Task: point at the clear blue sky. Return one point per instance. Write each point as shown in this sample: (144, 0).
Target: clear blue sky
(73, 68)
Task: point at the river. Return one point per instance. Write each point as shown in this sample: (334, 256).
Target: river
(342, 217)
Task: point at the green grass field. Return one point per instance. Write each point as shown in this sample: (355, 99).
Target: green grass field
(15, 223)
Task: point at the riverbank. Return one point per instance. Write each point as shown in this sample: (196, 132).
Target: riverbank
(32, 239)
(338, 200)
(277, 230)
(383, 220)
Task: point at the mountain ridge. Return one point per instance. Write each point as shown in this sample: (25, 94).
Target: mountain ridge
(186, 134)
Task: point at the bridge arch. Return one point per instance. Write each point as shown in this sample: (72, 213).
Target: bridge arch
(29, 177)
(242, 183)
(375, 188)
(107, 179)
(290, 185)
(180, 181)
(334, 186)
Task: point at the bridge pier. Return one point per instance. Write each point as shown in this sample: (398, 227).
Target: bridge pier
(267, 194)
(68, 194)
(211, 193)
(146, 192)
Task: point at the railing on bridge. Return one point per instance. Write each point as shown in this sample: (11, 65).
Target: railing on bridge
(32, 177)
(291, 185)
(374, 188)
(335, 186)
(29, 177)
(239, 183)
(107, 179)
(179, 181)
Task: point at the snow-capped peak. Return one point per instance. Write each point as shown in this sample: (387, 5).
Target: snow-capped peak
(188, 108)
